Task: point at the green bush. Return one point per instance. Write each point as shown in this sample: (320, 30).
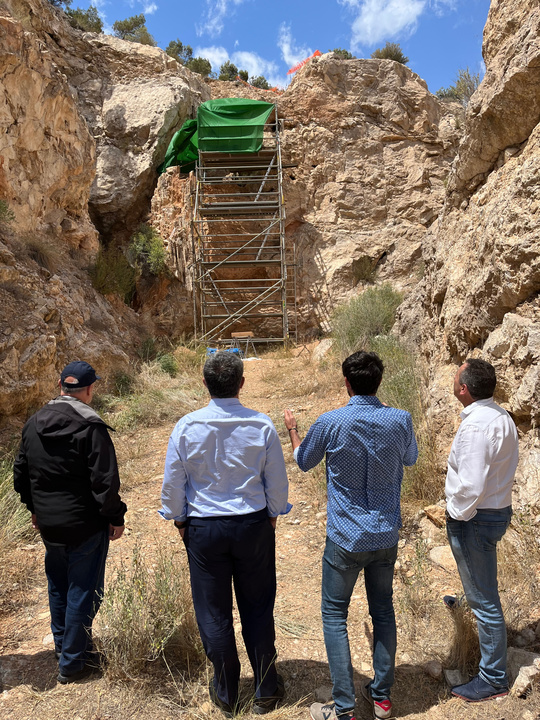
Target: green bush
(365, 316)
(86, 20)
(168, 363)
(147, 251)
(112, 274)
(6, 213)
(229, 71)
(391, 51)
(343, 54)
(134, 29)
(146, 614)
(260, 82)
(14, 517)
(465, 85)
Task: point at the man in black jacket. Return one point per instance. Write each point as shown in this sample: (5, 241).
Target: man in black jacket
(67, 476)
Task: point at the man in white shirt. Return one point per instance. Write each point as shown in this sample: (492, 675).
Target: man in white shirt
(225, 485)
(481, 469)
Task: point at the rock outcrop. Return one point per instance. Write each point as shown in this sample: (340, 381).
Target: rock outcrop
(366, 151)
(480, 293)
(85, 121)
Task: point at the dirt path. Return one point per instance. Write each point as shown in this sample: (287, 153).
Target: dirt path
(28, 669)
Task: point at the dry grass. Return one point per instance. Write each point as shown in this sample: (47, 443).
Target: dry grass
(146, 615)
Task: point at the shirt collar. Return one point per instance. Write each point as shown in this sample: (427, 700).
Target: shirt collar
(365, 400)
(224, 402)
(476, 404)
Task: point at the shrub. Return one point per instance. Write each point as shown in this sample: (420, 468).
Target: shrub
(42, 253)
(112, 274)
(463, 89)
(260, 82)
(343, 54)
(134, 29)
(391, 51)
(365, 316)
(200, 65)
(86, 20)
(229, 71)
(146, 614)
(168, 364)
(6, 213)
(147, 251)
(14, 517)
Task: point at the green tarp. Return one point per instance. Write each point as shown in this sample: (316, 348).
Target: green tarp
(231, 125)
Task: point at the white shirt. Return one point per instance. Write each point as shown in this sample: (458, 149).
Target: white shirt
(224, 459)
(482, 462)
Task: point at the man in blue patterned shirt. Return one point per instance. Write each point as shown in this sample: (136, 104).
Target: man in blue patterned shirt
(366, 444)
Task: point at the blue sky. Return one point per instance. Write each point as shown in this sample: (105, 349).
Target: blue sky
(269, 36)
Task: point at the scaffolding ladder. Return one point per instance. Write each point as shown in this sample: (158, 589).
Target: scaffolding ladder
(244, 273)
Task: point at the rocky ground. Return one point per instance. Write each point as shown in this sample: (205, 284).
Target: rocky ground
(424, 573)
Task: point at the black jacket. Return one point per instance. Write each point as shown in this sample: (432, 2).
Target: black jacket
(66, 472)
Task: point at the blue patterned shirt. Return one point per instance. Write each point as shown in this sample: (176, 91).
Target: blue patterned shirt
(366, 445)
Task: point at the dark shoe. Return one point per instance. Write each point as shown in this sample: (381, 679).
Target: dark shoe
(261, 706)
(225, 708)
(452, 602)
(478, 690)
(57, 654)
(327, 711)
(75, 677)
(382, 709)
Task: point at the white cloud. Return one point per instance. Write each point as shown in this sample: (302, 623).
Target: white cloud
(378, 20)
(150, 9)
(216, 55)
(214, 18)
(290, 52)
(244, 60)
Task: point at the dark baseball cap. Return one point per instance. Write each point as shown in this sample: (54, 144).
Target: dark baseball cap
(83, 373)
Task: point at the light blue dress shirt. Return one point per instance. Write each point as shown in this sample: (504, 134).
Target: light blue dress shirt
(366, 445)
(224, 459)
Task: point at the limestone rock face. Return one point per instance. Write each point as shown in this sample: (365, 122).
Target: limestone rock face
(47, 155)
(133, 98)
(85, 121)
(480, 293)
(366, 150)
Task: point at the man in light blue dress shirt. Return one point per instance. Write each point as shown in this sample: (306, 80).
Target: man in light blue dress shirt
(366, 444)
(225, 485)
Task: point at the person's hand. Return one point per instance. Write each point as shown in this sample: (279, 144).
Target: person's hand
(34, 522)
(290, 420)
(273, 522)
(115, 531)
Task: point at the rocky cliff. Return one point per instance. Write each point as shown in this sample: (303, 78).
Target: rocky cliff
(480, 293)
(85, 120)
(366, 152)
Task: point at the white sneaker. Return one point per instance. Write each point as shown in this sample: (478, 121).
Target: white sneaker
(382, 709)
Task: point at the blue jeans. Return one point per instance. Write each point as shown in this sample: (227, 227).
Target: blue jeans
(75, 577)
(340, 572)
(474, 545)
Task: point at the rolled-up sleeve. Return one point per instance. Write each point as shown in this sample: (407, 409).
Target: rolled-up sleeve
(313, 447)
(173, 491)
(276, 484)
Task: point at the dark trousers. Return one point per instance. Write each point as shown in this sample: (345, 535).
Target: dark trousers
(75, 577)
(238, 550)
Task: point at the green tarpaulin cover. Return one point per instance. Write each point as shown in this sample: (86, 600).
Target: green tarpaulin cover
(231, 125)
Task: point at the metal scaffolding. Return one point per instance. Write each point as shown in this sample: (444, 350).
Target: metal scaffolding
(244, 274)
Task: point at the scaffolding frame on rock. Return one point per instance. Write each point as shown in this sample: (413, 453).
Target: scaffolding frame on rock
(244, 272)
